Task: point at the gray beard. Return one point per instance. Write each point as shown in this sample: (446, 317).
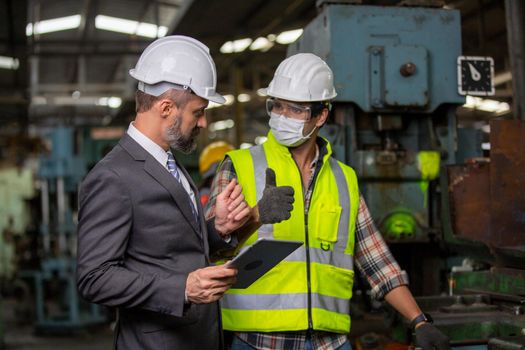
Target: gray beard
(179, 142)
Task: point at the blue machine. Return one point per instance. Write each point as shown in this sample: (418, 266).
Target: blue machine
(395, 70)
(395, 73)
(58, 307)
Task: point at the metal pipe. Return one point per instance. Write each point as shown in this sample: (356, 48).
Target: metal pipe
(515, 14)
(61, 208)
(44, 199)
(237, 78)
(452, 135)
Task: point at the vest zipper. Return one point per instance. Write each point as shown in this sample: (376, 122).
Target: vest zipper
(310, 322)
(307, 244)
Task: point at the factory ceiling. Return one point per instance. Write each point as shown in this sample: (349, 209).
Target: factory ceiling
(79, 76)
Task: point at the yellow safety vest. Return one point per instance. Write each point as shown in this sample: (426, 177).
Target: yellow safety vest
(311, 288)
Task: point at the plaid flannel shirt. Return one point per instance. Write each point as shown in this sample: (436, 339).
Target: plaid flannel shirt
(372, 257)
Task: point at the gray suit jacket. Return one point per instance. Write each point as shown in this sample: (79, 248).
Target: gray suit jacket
(137, 243)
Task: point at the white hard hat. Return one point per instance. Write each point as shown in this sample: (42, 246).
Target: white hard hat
(303, 77)
(177, 62)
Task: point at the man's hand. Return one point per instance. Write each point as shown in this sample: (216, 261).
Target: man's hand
(276, 203)
(430, 338)
(206, 285)
(231, 210)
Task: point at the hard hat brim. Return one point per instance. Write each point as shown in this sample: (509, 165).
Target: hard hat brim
(264, 92)
(217, 98)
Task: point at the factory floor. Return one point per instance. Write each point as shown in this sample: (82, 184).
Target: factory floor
(22, 336)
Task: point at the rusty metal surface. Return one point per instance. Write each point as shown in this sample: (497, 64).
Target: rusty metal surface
(507, 185)
(469, 195)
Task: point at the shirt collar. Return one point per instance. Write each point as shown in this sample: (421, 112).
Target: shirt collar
(151, 147)
(316, 158)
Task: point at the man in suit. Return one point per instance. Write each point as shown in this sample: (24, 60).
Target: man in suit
(143, 243)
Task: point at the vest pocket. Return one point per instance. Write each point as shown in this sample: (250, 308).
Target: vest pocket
(326, 217)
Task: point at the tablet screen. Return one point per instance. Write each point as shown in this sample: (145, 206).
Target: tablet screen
(259, 258)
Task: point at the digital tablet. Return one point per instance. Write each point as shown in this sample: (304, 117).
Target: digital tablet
(259, 258)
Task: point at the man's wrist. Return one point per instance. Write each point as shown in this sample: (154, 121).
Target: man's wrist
(420, 320)
(219, 227)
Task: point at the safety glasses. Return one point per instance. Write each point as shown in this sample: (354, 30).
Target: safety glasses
(288, 109)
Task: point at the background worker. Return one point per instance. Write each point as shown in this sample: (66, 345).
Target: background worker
(304, 302)
(143, 243)
(209, 161)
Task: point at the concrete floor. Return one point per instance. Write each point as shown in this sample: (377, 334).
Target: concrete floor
(23, 337)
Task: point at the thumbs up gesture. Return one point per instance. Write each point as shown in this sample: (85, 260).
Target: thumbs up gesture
(276, 203)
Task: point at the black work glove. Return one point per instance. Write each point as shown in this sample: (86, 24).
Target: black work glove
(430, 338)
(276, 202)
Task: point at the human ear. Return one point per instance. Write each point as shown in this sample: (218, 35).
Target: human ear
(321, 118)
(166, 107)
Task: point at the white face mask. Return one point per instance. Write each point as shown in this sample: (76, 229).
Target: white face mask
(287, 131)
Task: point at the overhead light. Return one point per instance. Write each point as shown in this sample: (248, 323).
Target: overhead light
(243, 98)
(261, 44)
(9, 62)
(221, 125)
(289, 36)
(227, 47)
(486, 105)
(38, 100)
(126, 26)
(162, 31)
(111, 102)
(53, 25)
(72, 101)
(77, 100)
(235, 46)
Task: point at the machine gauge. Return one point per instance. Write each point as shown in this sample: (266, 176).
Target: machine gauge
(475, 76)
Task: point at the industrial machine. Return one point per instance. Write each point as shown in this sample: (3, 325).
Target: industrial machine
(395, 71)
(483, 211)
(400, 76)
(58, 306)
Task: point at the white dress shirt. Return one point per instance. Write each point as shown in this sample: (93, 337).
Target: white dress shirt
(161, 156)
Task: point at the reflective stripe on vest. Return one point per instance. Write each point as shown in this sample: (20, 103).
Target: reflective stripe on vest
(259, 165)
(321, 256)
(284, 301)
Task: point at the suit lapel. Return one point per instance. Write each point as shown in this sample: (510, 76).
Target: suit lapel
(177, 192)
(195, 190)
(200, 210)
(164, 178)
